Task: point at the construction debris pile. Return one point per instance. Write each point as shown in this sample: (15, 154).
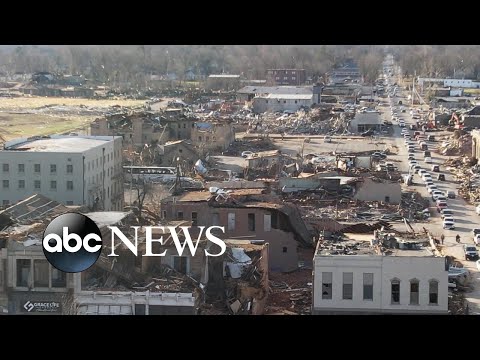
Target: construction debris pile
(253, 145)
(320, 120)
(453, 145)
(290, 293)
(467, 174)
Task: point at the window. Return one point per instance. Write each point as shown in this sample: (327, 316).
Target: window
(97, 162)
(433, 292)
(296, 101)
(69, 169)
(231, 222)
(53, 168)
(21, 184)
(23, 272)
(164, 214)
(53, 185)
(293, 73)
(180, 215)
(21, 168)
(6, 184)
(284, 101)
(207, 139)
(5, 202)
(414, 288)
(184, 125)
(347, 286)
(294, 78)
(40, 273)
(199, 138)
(267, 222)
(69, 185)
(194, 218)
(36, 168)
(284, 249)
(180, 264)
(367, 286)
(251, 222)
(59, 278)
(326, 285)
(395, 291)
(6, 167)
(387, 199)
(36, 184)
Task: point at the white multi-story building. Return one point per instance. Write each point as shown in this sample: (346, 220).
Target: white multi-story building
(360, 280)
(73, 170)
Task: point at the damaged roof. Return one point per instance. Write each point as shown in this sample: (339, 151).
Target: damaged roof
(35, 207)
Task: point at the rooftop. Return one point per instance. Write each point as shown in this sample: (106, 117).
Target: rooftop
(67, 144)
(303, 90)
(106, 218)
(226, 76)
(290, 96)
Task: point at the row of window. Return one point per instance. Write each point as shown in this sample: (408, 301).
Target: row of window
(36, 184)
(44, 275)
(269, 221)
(37, 167)
(347, 288)
(99, 161)
(284, 101)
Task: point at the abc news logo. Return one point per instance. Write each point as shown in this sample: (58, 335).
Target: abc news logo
(72, 242)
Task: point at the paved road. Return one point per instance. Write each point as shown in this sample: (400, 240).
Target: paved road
(465, 217)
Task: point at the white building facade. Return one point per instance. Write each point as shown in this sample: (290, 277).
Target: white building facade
(374, 284)
(73, 170)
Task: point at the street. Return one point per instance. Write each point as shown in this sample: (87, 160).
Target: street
(464, 214)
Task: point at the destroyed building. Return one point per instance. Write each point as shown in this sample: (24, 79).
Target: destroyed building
(374, 189)
(245, 214)
(73, 170)
(213, 135)
(169, 153)
(367, 121)
(379, 274)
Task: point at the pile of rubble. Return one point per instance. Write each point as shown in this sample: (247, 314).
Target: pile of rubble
(253, 145)
(317, 121)
(414, 202)
(461, 145)
(467, 174)
(290, 293)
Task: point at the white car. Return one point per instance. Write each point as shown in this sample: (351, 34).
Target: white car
(476, 239)
(428, 160)
(246, 154)
(416, 168)
(448, 225)
(401, 124)
(477, 209)
(436, 194)
(478, 264)
(412, 162)
(432, 188)
(421, 172)
(426, 176)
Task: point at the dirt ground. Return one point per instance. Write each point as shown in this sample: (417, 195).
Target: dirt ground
(28, 116)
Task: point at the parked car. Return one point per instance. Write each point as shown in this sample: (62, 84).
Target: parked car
(428, 160)
(427, 153)
(431, 188)
(470, 251)
(451, 194)
(435, 168)
(327, 139)
(431, 138)
(477, 209)
(441, 177)
(246, 154)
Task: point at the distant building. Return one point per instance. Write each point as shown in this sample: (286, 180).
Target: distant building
(286, 76)
(349, 72)
(460, 83)
(73, 170)
(223, 82)
(280, 98)
(372, 277)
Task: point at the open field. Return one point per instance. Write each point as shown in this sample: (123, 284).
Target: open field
(25, 103)
(28, 116)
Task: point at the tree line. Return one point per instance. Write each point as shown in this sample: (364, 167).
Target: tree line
(134, 64)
